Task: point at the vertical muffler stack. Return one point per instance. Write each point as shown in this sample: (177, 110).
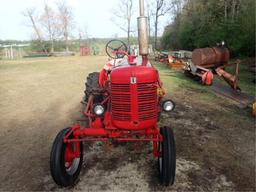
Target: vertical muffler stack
(142, 31)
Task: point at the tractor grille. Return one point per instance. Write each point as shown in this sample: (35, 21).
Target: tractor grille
(145, 102)
(121, 99)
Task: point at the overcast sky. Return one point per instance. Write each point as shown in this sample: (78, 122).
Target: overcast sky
(95, 15)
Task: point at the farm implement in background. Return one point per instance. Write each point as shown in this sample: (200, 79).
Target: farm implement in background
(215, 60)
(204, 65)
(175, 59)
(212, 60)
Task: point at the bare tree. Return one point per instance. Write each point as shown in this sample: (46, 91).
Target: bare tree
(159, 8)
(176, 6)
(84, 32)
(123, 12)
(30, 14)
(66, 21)
(149, 16)
(225, 9)
(48, 21)
(84, 36)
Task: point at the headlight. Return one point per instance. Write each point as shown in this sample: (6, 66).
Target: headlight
(98, 109)
(168, 105)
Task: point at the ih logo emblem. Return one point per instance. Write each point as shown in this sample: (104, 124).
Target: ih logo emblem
(133, 80)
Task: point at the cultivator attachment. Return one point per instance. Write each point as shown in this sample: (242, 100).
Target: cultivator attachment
(232, 80)
(205, 76)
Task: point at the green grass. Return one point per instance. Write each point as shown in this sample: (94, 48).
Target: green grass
(175, 79)
(245, 77)
(175, 82)
(190, 92)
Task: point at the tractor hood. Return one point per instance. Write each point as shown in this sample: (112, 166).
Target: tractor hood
(134, 74)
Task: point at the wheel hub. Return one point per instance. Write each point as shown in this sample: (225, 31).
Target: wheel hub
(71, 160)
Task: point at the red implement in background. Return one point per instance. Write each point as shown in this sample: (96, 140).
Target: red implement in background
(232, 80)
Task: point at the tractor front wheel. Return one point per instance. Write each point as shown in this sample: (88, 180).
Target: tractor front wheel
(66, 160)
(167, 158)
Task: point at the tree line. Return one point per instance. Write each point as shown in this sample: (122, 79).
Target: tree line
(124, 17)
(202, 23)
(51, 26)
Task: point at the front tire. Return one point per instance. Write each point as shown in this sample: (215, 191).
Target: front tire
(65, 165)
(167, 158)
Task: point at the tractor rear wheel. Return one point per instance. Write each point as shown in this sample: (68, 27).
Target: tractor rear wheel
(65, 164)
(92, 87)
(167, 158)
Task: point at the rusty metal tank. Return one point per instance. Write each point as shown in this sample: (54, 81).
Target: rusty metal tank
(210, 57)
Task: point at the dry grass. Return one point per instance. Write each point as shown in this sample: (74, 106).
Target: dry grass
(32, 85)
(38, 98)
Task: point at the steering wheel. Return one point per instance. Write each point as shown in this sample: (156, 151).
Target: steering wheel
(116, 49)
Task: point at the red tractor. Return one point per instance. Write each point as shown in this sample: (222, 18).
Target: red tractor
(123, 103)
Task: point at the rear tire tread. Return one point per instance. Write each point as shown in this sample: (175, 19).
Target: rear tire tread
(92, 86)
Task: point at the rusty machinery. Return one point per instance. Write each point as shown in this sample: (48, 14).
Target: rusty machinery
(175, 60)
(178, 59)
(205, 61)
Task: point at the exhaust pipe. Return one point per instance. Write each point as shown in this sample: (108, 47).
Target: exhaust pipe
(142, 31)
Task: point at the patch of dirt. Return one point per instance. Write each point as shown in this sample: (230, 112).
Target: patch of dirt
(121, 169)
(221, 142)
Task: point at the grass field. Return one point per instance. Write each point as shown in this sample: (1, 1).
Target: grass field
(215, 139)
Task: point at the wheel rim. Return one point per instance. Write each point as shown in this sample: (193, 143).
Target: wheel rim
(71, 160)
